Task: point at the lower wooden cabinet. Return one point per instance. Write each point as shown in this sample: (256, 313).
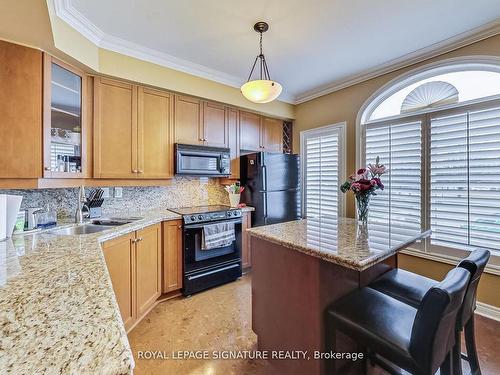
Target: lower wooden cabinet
(172, 256)
(134, 264)
(246, 255)
(119, 255)
(148, 267)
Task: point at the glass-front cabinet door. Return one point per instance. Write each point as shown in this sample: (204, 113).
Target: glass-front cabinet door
(64, 120)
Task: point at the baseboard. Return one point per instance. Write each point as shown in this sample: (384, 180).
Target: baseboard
(488, 311)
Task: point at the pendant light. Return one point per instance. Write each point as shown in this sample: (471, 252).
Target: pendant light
(262, 90)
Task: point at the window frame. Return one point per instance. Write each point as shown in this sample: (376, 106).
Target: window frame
(339, 127)
(425, 249)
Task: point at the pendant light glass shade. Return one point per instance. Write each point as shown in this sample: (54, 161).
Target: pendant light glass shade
(264, 89)
(261, 90)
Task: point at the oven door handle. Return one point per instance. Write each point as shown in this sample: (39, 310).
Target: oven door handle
(212, 271)
(201, 225)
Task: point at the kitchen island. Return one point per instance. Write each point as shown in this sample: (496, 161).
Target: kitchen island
(300, 267)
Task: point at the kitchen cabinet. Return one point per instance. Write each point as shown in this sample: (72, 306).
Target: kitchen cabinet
(134, 265)
(172, 256)
(188, 120)
(250, 131)
(115, 129)
(64, 121)
(119, 255)
(132, 131)
(246, 256)
(155, 134)
(233, 124)
(215, 127)
(199, 122)
(148, 254)
(259, 133)
(272, 130)
(20, 111)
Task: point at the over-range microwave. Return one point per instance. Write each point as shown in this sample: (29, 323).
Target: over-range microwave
(192, 160)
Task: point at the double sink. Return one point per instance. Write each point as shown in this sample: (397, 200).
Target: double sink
(93, 227)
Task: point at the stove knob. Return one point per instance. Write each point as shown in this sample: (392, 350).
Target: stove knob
(229, 213)
(193, 218)
(200, 217)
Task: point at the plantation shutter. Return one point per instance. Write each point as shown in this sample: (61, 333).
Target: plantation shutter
(399, 146)
(465, 179)
(321, 158)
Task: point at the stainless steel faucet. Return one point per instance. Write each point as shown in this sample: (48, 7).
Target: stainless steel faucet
(82, 200)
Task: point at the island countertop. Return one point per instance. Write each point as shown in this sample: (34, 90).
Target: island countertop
(58, 312)
(342, 241)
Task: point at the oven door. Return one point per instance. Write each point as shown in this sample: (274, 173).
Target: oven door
(196, 259)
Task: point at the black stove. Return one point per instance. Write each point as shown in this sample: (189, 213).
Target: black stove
(204, 269)
(200, 214)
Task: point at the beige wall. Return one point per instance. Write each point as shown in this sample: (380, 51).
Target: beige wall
(35, 24)
(343, 105)
(489, 285)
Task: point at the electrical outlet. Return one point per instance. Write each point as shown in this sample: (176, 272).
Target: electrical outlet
(118, 192)
(106, 192)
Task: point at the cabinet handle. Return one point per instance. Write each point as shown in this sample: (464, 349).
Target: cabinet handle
(135, 240)
(201, 139)
(134, 170)
(139, 239)
(47, 168)
(180, 227)
(140, 171)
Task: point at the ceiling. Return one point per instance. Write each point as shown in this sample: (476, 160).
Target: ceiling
(312, 47)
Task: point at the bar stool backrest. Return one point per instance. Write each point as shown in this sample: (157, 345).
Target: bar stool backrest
(475, 264)
(432, 334)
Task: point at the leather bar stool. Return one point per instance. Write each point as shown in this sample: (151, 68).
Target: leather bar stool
(418, 340)
(410, 288)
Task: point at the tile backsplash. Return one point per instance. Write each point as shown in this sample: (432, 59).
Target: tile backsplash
(182, 192)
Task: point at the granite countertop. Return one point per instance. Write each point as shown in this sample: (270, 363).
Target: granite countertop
(342, 241)
(58, 312)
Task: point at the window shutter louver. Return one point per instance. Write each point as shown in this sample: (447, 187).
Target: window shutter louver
(321, 180)
(465, 179)
(399, 147)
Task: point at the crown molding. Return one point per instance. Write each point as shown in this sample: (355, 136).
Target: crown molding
(68, 13)
(447, 45)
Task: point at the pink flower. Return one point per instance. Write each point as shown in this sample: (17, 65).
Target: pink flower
(356, 187)
(361, 171)
(373, 182)
(379, 183)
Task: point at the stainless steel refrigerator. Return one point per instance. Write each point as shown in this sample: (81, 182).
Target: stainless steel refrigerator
(272, 186)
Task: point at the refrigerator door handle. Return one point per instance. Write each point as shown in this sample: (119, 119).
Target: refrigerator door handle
(264, 178)
(265, 206)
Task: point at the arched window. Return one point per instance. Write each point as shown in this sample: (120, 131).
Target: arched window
(437, 129)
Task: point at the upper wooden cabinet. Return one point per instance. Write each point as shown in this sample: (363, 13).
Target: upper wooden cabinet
(259, 133)
(250, 131)
(64, 121)
(155, 134)
(20, 111)
(132, 131)
(188, 120)
(199, 122)
(232, 118)
(215, 126)
(272, 135)
(115, 129)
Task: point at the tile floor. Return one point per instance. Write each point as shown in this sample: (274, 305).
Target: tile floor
(220, 319)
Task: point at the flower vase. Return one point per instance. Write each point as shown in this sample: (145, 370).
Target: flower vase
(363, 207)
(234, 200)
